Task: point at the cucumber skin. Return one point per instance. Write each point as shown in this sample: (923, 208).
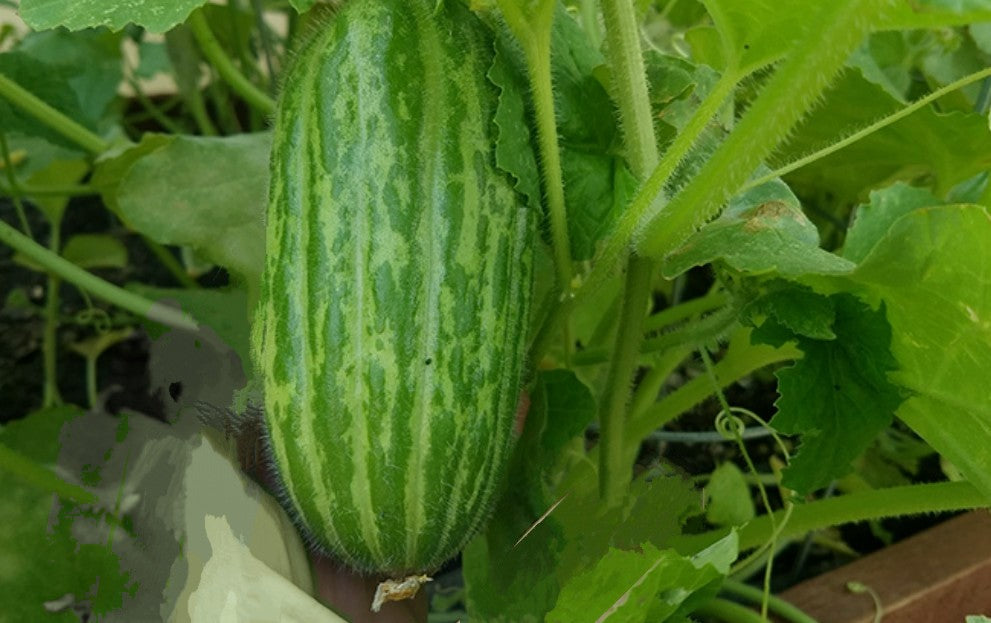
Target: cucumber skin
(391, 325)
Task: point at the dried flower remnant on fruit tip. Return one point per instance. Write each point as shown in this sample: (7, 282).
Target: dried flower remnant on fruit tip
(398, 590)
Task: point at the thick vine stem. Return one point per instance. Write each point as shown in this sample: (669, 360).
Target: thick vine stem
(37, 108)
(105, 290)
(213, 51)
(802, 77)
(632, 98)
(853, 507)
(630, 85)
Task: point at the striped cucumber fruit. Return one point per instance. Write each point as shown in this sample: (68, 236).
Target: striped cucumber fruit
(391, 325)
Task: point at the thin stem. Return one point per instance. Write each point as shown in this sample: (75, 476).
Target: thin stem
(874, 127)
(691, 334)
(728, 611)
(683, 311)
(266, 39)
(742, 359)
(8, 166)
(213, 51)
(156, 113)
(37, 108)
(197, 108)
(96, 286)
(650, 386)
(91, 387)
(49, 343)
(170, 263)
(776, 605)
(539, 65)
(860, 506)
(67, 190)
(532, 28)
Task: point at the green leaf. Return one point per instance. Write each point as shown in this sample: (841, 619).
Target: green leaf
(597, 183)
(758, 33)
(629, 586)
(569, 404)
(50, 83)
(514, 147)
(797, 308)
(154, 15)
(933, 272)
(114, 165)
(873, 220)
(91, 63)
(207, 193)
(837, 396)
(42, 558)
(223, 310)
(302, 6)
(936, 14)
(950, 147)
(730, 502)
(153, 59)
(761, 231)
(57, 172)
(95, 251)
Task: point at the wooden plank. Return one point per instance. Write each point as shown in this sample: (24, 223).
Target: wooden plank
(942, 574)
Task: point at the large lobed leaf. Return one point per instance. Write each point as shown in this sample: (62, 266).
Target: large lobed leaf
(933, 272)
(155, 15)
(207, 193)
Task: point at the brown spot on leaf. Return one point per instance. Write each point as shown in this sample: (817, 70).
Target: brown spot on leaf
(765, 212)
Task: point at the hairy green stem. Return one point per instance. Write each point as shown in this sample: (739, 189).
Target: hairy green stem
(790, 92)
(692, 334)
(213, 51)
(860, 506)
(37, 108)
(650, 386)
(93, 284)
(629, 86)
(589, 16)
(536, 43)
(614, 471)
(683, 311)
(872, 128)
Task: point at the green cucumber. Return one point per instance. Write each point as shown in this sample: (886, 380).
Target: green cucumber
(391, 326)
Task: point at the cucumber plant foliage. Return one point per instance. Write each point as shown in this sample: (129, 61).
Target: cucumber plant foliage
(479, 259)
